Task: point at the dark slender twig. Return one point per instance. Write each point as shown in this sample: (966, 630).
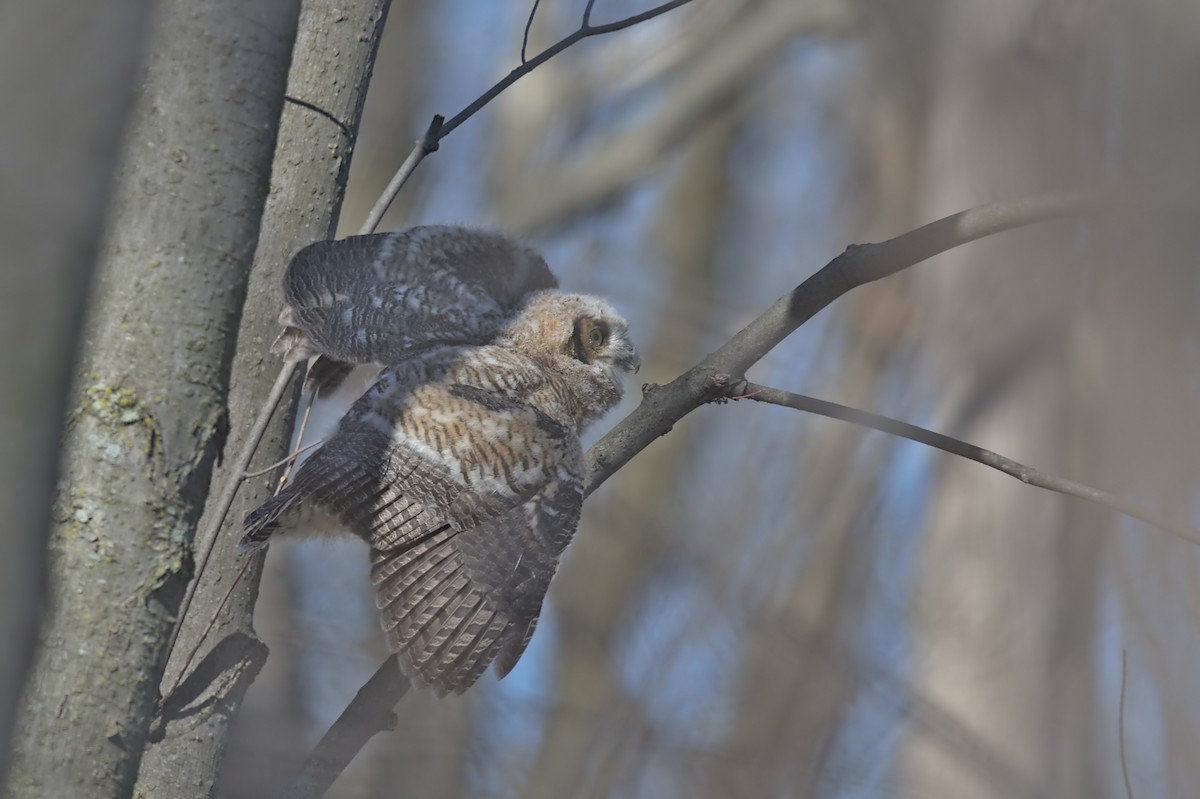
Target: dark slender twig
(1121, 730)
(291, 457)
(551, 51)
(954, 446)
(438, 130)
(587, 15)
(187, 663)
(528, 27)
(425, 145)
(309, 400)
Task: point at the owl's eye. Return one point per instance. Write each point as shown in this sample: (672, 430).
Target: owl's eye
(597, 336)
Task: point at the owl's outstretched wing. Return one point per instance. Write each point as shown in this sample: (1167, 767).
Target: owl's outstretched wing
(379, 298)
(467, 499)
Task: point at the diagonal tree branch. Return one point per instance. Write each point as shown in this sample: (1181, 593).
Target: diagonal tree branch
(1026, 474)
(368, 713)
(663, 406)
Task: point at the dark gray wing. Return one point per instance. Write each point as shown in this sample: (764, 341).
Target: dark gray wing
(379, 298)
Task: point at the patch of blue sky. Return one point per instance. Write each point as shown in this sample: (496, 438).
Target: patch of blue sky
(588, 258)
(784, 167)
(476, 37)
(657, 776)
(1146, 752)
(510, 724)
(1146, 614)
(336, 616)
(860, 758)
(679, 659)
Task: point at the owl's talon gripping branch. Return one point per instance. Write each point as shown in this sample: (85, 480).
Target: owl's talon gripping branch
(461, 465)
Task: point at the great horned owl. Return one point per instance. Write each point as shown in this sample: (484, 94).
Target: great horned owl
(461, 468)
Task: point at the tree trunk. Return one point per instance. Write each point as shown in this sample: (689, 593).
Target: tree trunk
(334, 49)
(51, 213)
(146, 417)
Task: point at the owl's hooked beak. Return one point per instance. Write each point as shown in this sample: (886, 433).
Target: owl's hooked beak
(625, 356)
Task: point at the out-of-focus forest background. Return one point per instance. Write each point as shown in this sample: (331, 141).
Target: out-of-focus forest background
(764, 603)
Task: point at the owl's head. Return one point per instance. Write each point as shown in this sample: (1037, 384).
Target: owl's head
(580, 338)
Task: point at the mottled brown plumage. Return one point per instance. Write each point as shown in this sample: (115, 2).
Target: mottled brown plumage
(461, 468)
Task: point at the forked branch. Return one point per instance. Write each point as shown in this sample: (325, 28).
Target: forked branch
(1026, 474)
(710, 379)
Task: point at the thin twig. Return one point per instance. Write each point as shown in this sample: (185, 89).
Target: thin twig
(291, 458)
(954, 446)
(440, 129)
(239, 476)
(187, 663)
(528, 27)
(1121, 730)
(225, 501)
(425, 145)
(310, 400)
(551, 51)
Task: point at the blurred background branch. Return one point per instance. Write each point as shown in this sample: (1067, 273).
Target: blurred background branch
(51, 214)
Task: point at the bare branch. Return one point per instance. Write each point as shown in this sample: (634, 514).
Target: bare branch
(528, 27)
(439, 130)
(663, 406)
(587, 15)
(370, 712)
(425, 145)
(1026, 474)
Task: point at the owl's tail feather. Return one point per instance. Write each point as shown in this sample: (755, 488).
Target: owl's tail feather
(444, 631)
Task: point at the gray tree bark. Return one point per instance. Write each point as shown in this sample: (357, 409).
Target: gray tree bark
(335, 46)
(51, 213)
(146, 414)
